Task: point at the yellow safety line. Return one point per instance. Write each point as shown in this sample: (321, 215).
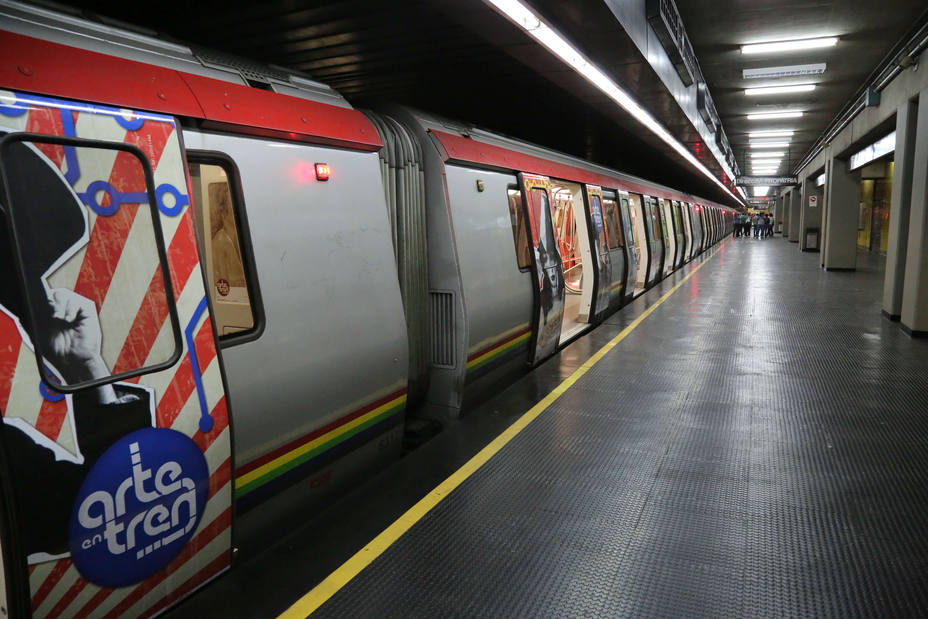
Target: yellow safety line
(353, 566)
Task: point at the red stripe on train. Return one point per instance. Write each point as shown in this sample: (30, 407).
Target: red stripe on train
(50, 581)
(109, 234)
(242, 469)
(10, 343)
(220, 416)
(182, 384)
(68, 597)
(52, 416)
(47, 121)
(182, 258)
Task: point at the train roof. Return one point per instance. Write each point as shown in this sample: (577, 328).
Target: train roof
(51, 53)
(466, 143)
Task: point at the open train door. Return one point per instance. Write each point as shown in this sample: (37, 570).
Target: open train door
(115, 428)
(547, 268)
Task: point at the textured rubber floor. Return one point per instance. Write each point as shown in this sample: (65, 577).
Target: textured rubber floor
(756, 447)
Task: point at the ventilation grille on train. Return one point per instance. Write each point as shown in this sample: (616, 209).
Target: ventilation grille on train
(441, 342)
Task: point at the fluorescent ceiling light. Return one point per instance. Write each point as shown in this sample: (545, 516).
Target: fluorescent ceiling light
(788, 46)
(771, 115)
(527, 20)
(766, 155)
(777, 90)
(788, 71)
(820, 180)
(760, 191)
(769, 145)
(783, 133)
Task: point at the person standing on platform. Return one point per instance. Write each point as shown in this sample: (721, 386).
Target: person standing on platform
(756, 224)
(746, 228)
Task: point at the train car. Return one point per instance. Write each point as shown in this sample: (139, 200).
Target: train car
(221, 280)
(529, 248)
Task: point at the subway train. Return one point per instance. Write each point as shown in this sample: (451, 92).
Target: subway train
(221, 280)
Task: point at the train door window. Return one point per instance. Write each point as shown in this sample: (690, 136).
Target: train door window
(519, 229)
(220, 224)
(613, 223)
(656, 218)
(677, 218)
(98, 302)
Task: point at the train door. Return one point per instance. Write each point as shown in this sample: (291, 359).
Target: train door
(115, 427)
(576, 250)
(704, 223)
(547, 267)
(632, 251)
(655, 235)
(617, 240)
(642, 241)
(688, 232)
(680, 234)
(697, 230)
(596, 225)
(669, 236)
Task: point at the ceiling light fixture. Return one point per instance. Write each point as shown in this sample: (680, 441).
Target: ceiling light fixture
(760, 191)
(788, 71)
(766, 155)
(784, 133)
(777, 90)
(526, 19)
(755, 145)
(788, 46)
(771, 115)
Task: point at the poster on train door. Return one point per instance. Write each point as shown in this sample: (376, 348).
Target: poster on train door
(546, 267)
(594, 196)
(115, 426)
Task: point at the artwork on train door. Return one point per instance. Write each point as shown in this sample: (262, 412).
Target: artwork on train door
(546, 265)
(115, 426)
(594, 195)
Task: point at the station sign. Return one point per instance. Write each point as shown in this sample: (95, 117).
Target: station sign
(767, 181)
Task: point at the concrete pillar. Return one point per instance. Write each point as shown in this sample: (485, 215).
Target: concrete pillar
(901, 199)
(794, 198)
(842, 201)
(810, 213)
(915, 285)
(783, 201)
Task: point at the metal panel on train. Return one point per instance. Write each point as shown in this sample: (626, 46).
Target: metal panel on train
(333, 355)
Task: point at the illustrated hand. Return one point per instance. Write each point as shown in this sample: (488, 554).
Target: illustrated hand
(74, 337)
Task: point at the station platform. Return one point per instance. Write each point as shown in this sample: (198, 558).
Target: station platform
(748, 438)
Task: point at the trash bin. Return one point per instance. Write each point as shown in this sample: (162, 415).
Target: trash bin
(811, 239)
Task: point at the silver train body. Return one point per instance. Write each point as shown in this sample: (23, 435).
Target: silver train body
(415, 271)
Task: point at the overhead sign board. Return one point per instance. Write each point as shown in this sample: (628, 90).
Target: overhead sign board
(668, 26)
(767, 181)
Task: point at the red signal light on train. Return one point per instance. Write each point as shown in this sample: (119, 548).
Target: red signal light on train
(322, 171)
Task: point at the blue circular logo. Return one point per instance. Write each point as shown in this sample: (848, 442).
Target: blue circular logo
(138, 507)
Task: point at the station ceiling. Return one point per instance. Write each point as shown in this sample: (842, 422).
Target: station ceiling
(866, 31)
(461, 59)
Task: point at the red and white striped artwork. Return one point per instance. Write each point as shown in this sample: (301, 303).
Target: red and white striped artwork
(118, 270)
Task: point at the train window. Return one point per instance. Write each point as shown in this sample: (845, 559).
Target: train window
(220, 224)
(519, 230)
(656, 218)
(96, 294)
(613, 225)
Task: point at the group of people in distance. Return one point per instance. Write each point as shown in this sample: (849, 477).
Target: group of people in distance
(761, 223)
